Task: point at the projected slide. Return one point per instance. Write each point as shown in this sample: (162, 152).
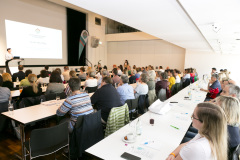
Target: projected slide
(31, 41)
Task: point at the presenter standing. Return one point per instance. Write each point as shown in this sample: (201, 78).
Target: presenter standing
(8, 57)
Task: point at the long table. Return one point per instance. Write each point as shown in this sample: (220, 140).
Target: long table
(25, 116)
(16, 93)
(159, 140)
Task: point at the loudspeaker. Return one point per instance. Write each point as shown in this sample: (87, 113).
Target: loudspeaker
(94, 42)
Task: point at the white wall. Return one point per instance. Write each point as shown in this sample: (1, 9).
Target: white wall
(99, 53)
(93, 54)
(37, 12)
(147, 52)
(204, 61)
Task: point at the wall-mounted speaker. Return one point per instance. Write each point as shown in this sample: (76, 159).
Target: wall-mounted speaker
(95, 42)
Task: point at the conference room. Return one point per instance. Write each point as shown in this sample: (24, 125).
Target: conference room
(119, 79)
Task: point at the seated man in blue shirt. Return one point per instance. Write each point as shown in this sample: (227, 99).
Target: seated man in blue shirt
(124, 90)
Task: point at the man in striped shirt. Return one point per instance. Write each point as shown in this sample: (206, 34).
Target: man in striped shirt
(77, 105)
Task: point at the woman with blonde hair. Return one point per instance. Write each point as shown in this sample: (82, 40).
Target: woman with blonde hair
(231, 107)
(7, 80)
(211, 141)
(33, 90)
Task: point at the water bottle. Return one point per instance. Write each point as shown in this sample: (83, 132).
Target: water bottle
(139, 127)
(10, 108)
(17, 79)
(190, 93)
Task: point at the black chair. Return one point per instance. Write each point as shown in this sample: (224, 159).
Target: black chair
(133, 107)
(3, 119)
(143, 103)
(173, 90)
(47, 140)
(91, 89)
(186, 82)
(52, 96)
(87, 132)
(233, 153)
(31, 101)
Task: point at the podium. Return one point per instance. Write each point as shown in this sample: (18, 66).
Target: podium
(12, 65)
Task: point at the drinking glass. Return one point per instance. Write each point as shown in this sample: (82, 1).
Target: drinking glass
(57, 98)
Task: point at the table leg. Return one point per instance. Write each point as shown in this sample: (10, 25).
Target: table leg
(22, 141)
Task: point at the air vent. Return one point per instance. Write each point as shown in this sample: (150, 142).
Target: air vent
(97, 21)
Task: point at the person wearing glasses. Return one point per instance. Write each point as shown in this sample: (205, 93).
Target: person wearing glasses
(231, 107)
(211, 141)
(231, 90)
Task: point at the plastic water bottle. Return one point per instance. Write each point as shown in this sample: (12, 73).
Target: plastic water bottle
(189, 93)
(10, 108)
(139, 127)
(17, 79)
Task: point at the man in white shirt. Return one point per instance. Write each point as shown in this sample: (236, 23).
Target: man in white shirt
(8, 57)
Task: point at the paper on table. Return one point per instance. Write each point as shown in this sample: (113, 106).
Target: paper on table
(160, 107)
(154, 144)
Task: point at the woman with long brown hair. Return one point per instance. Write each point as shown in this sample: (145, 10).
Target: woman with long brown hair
(211, 141)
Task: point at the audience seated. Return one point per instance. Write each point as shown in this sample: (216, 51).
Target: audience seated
(133, 78)
(143, 69)
(33, 90)
(211, 142)
(7, 81)
(176, 75)
(124, 90)
(214, 87)
(142, 87)
(231, 90)
(157, 76)
(82, 75)
(171, 80)
(60, 72)
(55, 85)
(163, 83)
(20, 74)
(119, 71)
(129, 70)
(106, 98)
(116, 78)
(91, 81)
(214, 71)
(25, 82)
(5, 93)
(66, 73)
(231, 108)
(104, 74)
(186, 75)
(151, 86)
(46, 67)
(161, 69)
(139, 72)
(68, 91)
(77, 105)
(44, 77)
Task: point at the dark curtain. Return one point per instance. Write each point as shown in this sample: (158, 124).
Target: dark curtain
(76, 22)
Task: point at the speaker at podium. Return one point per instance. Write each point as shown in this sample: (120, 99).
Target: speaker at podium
(12, 65)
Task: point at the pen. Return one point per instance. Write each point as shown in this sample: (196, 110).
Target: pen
(149, 142)
(173, 102)
(174, 127)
